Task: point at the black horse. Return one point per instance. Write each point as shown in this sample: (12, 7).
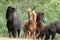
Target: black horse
(40, 25)
(13, 24)
(51, 29)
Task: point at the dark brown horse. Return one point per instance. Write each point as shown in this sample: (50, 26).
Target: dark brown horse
(51, 29)
(40, 25)
(13, 24)
(30, 24)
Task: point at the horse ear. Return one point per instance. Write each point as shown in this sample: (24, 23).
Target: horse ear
(43, 14)
(13, 9)
(8, 9)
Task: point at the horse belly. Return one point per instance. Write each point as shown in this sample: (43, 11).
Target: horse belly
(58, 30)
(31, 28)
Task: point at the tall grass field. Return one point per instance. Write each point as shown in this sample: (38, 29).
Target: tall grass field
(51, 9)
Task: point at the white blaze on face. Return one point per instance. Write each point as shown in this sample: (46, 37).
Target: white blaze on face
(30, 13)
(30, 16)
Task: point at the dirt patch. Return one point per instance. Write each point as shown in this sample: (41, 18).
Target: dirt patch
(2, 38)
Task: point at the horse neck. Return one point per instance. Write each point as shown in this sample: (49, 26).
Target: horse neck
(34, 16)
(31, 21)
(39, 23)
(12, 18)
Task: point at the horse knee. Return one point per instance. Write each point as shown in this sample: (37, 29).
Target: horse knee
(14, 34)
(41, 35)
(18, 33)
(53, 36)
(34, 34)
(47, 37)
(26, 33)
(37, 32)
(9, 33)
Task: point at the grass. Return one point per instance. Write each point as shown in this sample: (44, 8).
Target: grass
(51, 9)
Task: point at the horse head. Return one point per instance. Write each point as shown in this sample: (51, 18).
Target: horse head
(30, 14)
(9, 13)
(40, 17)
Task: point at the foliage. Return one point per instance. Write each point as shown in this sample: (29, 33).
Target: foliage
(51, 9)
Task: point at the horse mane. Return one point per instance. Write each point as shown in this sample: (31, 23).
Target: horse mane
(33, 12)
(10, 10)
(37, 20)
(34, 15)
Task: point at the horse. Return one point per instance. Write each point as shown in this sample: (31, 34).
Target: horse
(30, 24)
(40, 25)
(13, 24)
(52, 29)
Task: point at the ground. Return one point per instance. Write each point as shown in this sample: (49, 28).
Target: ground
(4, 38)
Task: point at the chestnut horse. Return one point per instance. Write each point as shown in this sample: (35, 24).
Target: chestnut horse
(30, 24)
(13, 24)
(40, 25)
(52, 29)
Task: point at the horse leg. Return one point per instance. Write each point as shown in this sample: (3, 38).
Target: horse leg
(37, 32)
(53, 36)
(38, 36)
(41, 35)
(18, 33)
(14, 33)
(26, 33)
(47, 36)
(9, 33)
(29, 34)
(34, 34)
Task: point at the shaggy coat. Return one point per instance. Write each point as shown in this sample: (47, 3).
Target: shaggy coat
(52, 29)
(40, 25)
(13, 24)
(30, 24)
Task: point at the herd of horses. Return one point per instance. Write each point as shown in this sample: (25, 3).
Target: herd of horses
(33, 26)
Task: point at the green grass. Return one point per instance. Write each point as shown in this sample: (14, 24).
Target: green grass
(51, 9)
